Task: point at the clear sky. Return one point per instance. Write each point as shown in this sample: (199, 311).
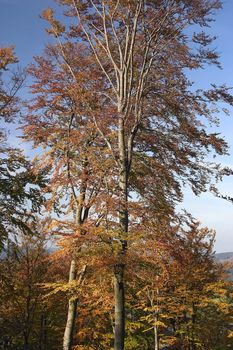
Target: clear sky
(20, 25)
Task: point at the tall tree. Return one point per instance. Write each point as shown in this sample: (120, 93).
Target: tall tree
(77, 158)
(144, 109)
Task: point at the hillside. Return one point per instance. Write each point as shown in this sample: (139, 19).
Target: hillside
(224, 257)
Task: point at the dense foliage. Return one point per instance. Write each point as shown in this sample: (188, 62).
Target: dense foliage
(121, 130)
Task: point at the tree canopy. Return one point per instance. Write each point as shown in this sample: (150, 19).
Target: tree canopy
(121, 131)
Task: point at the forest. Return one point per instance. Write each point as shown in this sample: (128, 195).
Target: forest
(94, 252)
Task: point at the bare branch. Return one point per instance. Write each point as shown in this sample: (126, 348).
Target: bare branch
(106, 140)
(93, 48)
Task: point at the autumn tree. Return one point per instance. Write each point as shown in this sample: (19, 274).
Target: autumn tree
(77, 157)
(200, 287)
(14, 78)
(19, 186)
(23, 266)
(142, 106)
(174, 284)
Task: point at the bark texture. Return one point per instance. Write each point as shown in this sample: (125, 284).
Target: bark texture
(72, 306)
(119, 331)
(119, 307)
(71, 315)
(156, 336)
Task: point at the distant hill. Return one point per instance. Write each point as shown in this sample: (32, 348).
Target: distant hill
(224, 257)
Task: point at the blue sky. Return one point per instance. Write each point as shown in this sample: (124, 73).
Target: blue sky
(20, 25)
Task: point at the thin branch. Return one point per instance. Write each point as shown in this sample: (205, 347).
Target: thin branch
(93, 47)
(68, 162)
(97, 10)
(107, 40)
(105, 139)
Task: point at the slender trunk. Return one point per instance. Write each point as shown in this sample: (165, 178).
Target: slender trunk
(119, 307)
(156, 338)
(72, 306)
(156, 333)
(43, 332)
(71, 315)
(153, 296)
(119, 332)
(26, 341)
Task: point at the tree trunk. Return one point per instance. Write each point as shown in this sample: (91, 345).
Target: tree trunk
(43, 331)
(26, 341)
(154, 303)
(71, 316)
(119, 330)
(156, 338)
(119, 307)
(72, 307)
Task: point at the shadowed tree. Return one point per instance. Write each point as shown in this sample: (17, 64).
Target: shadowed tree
(20, 196)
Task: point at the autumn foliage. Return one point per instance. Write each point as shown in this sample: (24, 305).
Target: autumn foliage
(120, 131)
